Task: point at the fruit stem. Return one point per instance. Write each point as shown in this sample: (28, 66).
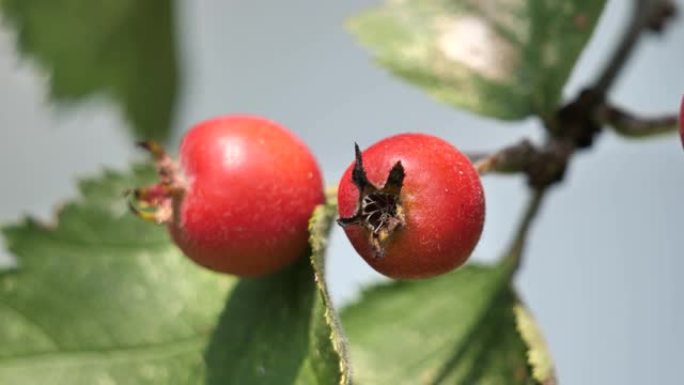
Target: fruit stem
(513, 158)
(517, 247)
(543, 165)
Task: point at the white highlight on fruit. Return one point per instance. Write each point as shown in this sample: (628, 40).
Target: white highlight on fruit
(473, 42)
(233, 153)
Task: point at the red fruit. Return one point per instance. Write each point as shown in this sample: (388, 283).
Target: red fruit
(412, 206)
(247, 190)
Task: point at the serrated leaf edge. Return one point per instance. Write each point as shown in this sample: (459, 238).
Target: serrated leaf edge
(320, 225)
(538, 355)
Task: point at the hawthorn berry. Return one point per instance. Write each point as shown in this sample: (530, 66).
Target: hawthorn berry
(412, 206)
(240, 197)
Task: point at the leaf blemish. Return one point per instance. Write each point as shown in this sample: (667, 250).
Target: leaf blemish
(473, 42)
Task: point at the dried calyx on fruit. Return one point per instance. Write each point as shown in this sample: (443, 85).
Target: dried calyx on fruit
(379, 209)
(155, 203)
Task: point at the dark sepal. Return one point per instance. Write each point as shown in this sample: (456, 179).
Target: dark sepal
(395, 179)
(359, 173)
(379, 234)
(364, 186)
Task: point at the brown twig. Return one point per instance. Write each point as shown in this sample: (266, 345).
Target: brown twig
(575, 124)
(647, 14)
(543, 165)
(580, 120)
(627, 124)
(514, 158)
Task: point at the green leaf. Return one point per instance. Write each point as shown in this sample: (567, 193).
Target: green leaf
(281, 329)
(455, 329)
(123, 49)
(101, 297)
(500, 58)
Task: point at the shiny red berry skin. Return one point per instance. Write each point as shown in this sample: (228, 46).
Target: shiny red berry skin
(441, 200)
(251, 186)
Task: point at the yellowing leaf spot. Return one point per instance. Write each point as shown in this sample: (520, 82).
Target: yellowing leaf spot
(538, 354)
(473, 42)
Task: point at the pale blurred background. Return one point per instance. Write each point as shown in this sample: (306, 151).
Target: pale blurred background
(603, 272)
